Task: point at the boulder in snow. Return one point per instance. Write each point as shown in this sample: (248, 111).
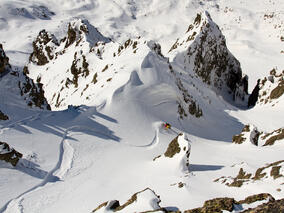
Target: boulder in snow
(177, 153)
(9, 154)
(3, 116)
(143, 201)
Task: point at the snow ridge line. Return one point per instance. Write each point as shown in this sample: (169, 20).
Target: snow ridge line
(63, 165)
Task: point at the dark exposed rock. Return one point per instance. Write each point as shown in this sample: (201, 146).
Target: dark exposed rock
(3, 116)
(173, 148)
(71, 36)
(9, 154)
(273, 139)
(272, 170)
(216, 205)
(189, 103)
(209, 58)
(79, 67)
(271, 87)
(43, 48)
(249, 133)
(254, 95)
(4, 61)
(275, 206)
(219, 205)
(257, 197)
(33, 92)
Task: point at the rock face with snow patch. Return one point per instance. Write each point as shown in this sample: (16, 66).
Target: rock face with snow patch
(271, 88)
(202, 51)
(9, 154)
(177, 153)
(250, 134)
(43, 48)
(31, 92)
(231, 205)
(4, 61)
(143, 201)
(272, 172)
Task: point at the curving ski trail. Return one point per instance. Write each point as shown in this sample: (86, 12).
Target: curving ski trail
(63, 165)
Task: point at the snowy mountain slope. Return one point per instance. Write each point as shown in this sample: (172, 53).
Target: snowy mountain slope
(77, 158)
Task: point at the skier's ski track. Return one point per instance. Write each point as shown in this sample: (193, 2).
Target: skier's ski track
(19, 122)
(64, 164)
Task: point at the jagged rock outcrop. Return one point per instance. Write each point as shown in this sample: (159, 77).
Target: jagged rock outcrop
(271, 206)
(4, 61)
(254, 95)
(218, 205)
(204, 54)
(266, 173)
(43, 48)
(178, 151)
(90, 64)
(9, 154)
(271, 88)
(251, 134)
(143, 201)
(31, 92)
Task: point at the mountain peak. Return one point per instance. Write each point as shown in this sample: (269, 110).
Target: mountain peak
(203, 53)
(81, 29)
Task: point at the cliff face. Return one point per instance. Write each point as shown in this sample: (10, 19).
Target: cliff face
(30, 91)
(203, 53)
(4, 61)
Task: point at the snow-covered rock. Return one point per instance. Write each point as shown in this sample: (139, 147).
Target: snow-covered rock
(203, 53)
(9, 154)
(143, 201)
(251, 135)
(271, 173)
(176, 155)
(231, 205)
(18, 82)
(271, 89)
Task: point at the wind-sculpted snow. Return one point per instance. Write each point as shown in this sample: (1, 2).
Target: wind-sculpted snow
(106, 70)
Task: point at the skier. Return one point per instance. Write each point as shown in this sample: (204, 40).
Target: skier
(167, 126)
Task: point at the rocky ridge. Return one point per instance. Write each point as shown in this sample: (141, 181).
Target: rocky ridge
(251, 134)
(30, 91)
(272, 171)
(203, 53)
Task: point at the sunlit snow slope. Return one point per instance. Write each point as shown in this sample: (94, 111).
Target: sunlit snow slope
(112, 73)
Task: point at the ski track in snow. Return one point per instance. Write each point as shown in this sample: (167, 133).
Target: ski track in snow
(64, 164)
(19, 122)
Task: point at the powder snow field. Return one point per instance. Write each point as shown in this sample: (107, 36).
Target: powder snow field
(79, 157)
